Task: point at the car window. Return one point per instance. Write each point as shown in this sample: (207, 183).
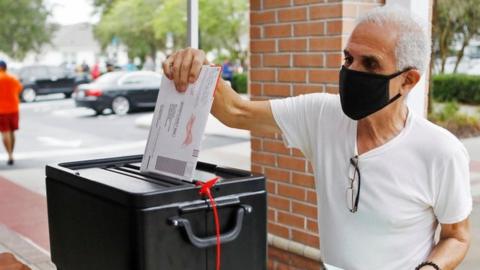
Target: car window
(142, 79)
(109, 78)
(57, 72)
(39, 72)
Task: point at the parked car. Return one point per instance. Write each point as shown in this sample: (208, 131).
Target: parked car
(120, 91)
(44, 80)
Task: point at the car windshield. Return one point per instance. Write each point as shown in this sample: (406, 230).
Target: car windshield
(109, 78)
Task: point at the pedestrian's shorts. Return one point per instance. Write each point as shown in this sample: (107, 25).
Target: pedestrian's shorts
(8, 122)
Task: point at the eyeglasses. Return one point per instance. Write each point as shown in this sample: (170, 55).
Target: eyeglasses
(353, 190)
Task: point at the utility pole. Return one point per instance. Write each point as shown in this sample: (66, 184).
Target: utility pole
(192, 23)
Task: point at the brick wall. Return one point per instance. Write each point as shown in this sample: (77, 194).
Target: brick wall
(296, 48)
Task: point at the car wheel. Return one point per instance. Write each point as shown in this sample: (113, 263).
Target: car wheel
(68, 95)
(120, 105)
(29, 95)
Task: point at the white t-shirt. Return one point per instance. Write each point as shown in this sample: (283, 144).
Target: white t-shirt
(408, 185)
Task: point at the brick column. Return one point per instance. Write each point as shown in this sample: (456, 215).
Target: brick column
(296, 48)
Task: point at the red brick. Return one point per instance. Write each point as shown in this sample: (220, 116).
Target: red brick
(306, 238)
(276, 3)
(279, 203)
(257, 168)
(271, 187)
(304, 209)
(292, 75)
(277, 174)
(326, 11)
(262, 46)
(276, 60)
(334, 60)
(278, 230)
(304, 2)
(326, 44)
(283, 30)
(255, 32)
(323, 76)
(303, 180)
(295, 151)
(292, 45)
(312, 197)
(256, 60)
(275, 147)
(272, 90)
(308, 60)
(291, 191)
(256, 4)
(309, 168)
(256, 144)
(262, 74)
(299, 89)
(271, 215)
(292, 14)
(255, 89)
(332, 89)
(309, 29)
(263, 158)
(340, 27)
(291, 220)
(312, 226)
(262, 17)
(291, 163)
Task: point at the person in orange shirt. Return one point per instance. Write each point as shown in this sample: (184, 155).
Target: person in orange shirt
(10, 89)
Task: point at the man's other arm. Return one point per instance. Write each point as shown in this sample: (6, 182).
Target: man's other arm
(183, 67)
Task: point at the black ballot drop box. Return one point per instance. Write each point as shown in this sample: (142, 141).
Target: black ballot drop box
(105, 215)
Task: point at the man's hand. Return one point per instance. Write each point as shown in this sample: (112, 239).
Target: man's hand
(183, 67)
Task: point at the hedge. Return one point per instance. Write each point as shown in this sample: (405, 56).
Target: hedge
(239, 82)
(457, 87)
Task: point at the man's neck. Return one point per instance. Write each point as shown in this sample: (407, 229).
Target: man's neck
(379, 128)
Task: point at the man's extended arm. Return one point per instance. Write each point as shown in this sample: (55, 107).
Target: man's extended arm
(184, 66)
(452, 247)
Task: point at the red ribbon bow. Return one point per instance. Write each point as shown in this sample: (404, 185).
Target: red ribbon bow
(205, 190)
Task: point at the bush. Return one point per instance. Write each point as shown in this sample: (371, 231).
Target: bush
(239, 82)
(460, 124)
(457, 87)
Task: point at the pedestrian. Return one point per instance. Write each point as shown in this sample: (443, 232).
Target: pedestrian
(385, 177)
(227, 71)
(10, 89)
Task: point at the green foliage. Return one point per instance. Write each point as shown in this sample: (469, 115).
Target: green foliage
(24, 27)
(239, 82)
(143, 25)
(457, 87)
(460, 124)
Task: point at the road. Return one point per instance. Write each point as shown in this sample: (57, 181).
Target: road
(53, 130)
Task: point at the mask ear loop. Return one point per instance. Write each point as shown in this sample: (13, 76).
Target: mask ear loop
(396, 74)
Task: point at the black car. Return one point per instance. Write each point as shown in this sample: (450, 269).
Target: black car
(120, 91)
(44, 80)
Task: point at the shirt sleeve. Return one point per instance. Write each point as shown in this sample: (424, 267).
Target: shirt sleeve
(298, 119)
(452, 196)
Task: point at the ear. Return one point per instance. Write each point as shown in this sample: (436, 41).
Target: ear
(411, 78)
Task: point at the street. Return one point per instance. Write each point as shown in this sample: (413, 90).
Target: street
(53, 130)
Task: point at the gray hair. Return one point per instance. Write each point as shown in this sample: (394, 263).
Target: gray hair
(413, 46)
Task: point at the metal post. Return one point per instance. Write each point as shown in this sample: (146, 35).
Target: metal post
(192, 23)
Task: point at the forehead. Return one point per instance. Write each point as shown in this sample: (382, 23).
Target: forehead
(372, 39)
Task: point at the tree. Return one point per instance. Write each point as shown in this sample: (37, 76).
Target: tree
(143, 25)
(131, 21)
(456, 22)
(24, 27)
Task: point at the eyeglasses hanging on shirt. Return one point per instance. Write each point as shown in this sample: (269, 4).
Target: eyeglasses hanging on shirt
(353, 190)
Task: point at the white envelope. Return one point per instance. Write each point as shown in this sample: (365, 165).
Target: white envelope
(178, 126)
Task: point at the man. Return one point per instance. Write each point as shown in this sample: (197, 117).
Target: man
(9, 262)
(385, 177)
(10, 89)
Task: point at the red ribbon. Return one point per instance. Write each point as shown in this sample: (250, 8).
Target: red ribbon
(205, 191)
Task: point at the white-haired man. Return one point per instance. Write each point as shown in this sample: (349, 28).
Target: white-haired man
(385, 178)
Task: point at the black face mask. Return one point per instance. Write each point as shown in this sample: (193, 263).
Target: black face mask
(363, 94)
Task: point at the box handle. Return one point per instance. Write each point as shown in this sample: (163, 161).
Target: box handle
(212, 240)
